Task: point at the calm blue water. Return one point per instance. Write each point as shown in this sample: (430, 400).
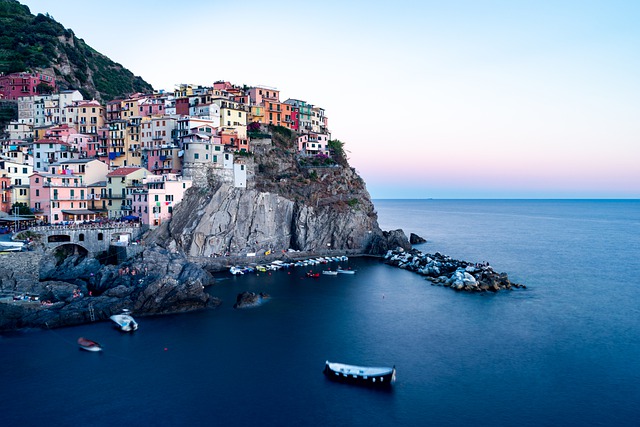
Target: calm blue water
(565, 351)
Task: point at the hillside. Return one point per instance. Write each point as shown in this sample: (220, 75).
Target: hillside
(29, 42)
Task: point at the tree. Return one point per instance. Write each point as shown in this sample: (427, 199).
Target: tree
(44, 89)
(23, 209)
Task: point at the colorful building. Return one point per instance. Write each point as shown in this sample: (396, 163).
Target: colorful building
(15, 85)
(64, 192)
(155, 200)
(313, 143)
(120, 182)
(49, 151)
(5, 194)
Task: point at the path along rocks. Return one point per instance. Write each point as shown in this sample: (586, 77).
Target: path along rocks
(445, 271)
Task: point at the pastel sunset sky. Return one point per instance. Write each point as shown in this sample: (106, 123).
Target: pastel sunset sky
(441, 99)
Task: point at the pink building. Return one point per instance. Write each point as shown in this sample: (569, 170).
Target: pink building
(15, 85)
(59, 132)
(151, 107)
(5, 194)
(64, 192)
(155, 201)
(313, 143)
(258, 95)
(295, 118)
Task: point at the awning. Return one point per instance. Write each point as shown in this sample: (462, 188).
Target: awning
(14, 218)
(79, 212)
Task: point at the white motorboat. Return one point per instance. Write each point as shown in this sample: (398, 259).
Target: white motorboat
(364, 375)
(125, 322)
(346, 271)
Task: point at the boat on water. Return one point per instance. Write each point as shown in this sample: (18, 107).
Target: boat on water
(89, 345)
(314, 275)
(363, 375)
(341, 271)
(236, 270)
(125, 322)
(329, 272)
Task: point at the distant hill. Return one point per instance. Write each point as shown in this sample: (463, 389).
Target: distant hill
(30, 42)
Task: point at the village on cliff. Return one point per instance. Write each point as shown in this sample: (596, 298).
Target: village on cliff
(69, 160)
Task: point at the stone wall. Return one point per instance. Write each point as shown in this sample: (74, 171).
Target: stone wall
(87, 237)
(20, 270)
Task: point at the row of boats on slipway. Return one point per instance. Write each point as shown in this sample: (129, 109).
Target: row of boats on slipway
(124, 322)
(278, 264)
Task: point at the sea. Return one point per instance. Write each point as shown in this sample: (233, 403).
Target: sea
(565, 351)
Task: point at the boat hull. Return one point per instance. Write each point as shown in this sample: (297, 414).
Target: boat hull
(124, 322)
(89, 345)
(384, 378)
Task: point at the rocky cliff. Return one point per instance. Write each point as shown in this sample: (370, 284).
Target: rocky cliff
(289, 203)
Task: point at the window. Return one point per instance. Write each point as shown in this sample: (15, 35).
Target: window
(156, 199)
(37, 180)
(37, 193)
(196, 156)
(24, 170)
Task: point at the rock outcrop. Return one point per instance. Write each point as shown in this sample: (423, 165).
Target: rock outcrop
(285, 206)
(249, 299)
(414, 239)
(156, 282)
(446, 271)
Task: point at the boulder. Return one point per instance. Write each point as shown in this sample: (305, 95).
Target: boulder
(414, 239)
(249, 299)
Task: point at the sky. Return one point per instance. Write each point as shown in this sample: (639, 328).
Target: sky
(433, 99)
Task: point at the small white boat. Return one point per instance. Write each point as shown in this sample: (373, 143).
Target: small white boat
(125, 322)
(346, 271)
(236, 270)
(364, 375)
(89, 345)
(329, 273)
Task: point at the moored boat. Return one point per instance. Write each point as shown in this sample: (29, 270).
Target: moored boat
(329, 273)
(346, 271)
(89, 345)
(363, 375)
(312, 274)
(125, 322)
(236, 270)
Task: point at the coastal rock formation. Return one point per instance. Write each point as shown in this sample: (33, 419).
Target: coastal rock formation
(287, 205)
(414, 239)
(156, 282)
(446, 271)
(250, 299)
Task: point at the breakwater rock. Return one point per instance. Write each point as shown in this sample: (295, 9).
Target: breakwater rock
(249, 299)
(155, 282)
(446, 271)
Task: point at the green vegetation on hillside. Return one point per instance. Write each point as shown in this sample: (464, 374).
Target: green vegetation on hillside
(29, 42)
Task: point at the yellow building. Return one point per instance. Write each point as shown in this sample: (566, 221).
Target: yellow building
(233, 115)
(88, 116)
(120, 183)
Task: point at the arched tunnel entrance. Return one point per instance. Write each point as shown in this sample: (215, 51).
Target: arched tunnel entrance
(62, 252)
(59, 238)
